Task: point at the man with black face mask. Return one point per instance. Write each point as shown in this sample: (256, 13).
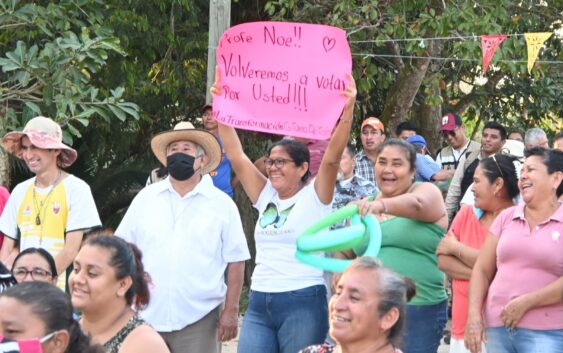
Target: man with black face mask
(190, 232)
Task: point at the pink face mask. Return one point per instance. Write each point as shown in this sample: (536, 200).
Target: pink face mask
(32, 345)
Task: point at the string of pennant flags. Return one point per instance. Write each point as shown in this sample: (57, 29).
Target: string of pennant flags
(489, 46)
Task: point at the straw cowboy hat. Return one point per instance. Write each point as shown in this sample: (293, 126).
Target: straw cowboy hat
(185, 131)
(43, 133)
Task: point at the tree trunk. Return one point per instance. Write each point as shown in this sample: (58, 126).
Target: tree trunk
(219, 21)
(4, 169)
(428, 122)
(429, 116)
(411, 75)
(401, 96)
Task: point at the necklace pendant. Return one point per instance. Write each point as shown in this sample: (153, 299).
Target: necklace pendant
(37, 220)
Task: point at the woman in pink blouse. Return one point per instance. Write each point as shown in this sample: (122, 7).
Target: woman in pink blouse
(519, 273)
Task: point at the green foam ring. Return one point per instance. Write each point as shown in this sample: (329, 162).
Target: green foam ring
(363, 234)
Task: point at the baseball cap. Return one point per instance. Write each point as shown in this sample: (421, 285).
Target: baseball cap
(450, 122)
(374, 123)
(417, 140)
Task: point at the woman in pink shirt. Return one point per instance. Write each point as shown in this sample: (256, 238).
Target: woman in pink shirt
(495, 184)
(519, 273)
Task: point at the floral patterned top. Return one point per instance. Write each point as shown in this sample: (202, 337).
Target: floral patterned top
(113, 345)
(328, 348)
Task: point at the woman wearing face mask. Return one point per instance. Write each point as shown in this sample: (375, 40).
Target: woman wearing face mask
(40, 314)
(35, 264)
(108, 284)
(287, 307)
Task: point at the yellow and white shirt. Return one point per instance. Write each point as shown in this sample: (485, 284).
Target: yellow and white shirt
(66, 207)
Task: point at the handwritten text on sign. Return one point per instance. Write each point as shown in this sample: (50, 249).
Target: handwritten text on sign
(283, 78)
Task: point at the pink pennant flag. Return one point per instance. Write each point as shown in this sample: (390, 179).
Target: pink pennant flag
(489, 45)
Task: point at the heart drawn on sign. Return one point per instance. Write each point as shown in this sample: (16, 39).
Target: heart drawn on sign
(328, 43)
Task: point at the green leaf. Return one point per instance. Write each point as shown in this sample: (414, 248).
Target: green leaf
(118, 112)
(74, 131)
(34, 107)
(117, 92)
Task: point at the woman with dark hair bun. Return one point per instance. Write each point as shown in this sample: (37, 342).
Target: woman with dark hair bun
(42, 312)
(495, 185)
(108, 285)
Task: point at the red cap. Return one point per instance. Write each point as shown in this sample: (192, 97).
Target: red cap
(450, 122)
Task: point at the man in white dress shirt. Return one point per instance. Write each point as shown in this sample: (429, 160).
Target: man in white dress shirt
(190, 232)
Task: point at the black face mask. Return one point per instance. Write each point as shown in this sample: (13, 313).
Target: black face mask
(180, 166)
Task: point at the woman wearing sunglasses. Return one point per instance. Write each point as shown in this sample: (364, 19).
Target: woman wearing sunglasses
(287, 308)
(39, 314)
(35, 264)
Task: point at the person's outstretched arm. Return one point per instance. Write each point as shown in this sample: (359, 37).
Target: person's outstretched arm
(251, 179)
(326, 178)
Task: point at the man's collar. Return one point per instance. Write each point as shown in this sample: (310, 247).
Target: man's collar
(463, 147)
(202, 187)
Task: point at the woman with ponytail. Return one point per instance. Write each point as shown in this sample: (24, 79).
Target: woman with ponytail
(40, 313)
(108, 285)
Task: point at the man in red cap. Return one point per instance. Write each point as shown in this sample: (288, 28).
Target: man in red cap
(53, 209)
(453, 131)
(372, 134)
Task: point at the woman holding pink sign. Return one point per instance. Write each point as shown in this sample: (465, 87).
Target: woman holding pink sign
(287, 309)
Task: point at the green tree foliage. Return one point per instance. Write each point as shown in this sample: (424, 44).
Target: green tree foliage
(51, 55)
(398, 81)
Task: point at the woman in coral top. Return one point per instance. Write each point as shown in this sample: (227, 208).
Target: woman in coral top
(495, 185)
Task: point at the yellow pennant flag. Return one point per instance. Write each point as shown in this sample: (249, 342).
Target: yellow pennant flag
(534, 42)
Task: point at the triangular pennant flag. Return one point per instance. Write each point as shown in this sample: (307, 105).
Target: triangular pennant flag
(489, 45)
(534, 42)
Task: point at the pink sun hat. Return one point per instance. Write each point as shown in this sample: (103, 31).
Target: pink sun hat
(43, 133)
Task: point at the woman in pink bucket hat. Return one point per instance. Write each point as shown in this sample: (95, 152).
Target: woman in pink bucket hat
(51, 210)
(43, 133)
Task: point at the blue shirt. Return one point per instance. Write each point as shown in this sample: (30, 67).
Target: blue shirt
(425, 168)
(222, 175)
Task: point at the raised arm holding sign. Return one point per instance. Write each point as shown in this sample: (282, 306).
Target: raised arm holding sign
(283, 78)
(287, 203)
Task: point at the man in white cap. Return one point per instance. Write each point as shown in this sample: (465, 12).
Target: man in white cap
(189, 232)
(53, 209)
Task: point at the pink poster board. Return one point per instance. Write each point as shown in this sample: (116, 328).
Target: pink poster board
(283, 78)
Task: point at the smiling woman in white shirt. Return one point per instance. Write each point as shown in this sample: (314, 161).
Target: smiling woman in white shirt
(287, 307)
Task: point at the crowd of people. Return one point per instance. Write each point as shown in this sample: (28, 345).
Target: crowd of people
(486, 215)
